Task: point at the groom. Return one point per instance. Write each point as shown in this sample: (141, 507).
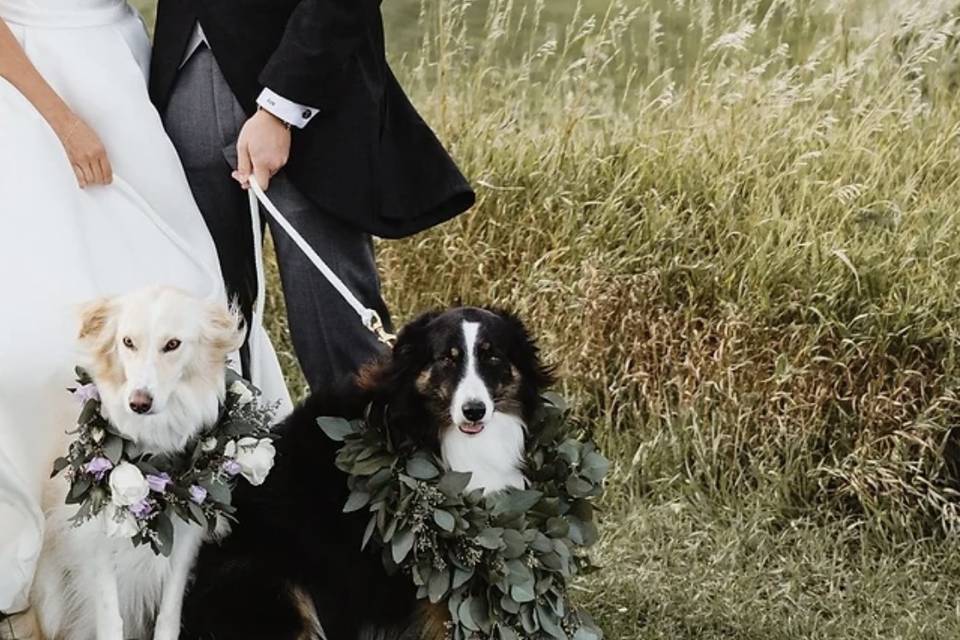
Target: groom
(298, 94)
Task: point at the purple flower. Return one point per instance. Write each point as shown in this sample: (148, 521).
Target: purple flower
(158, 482)
(142, 510)
(98, 467)
(87, 392)
(198, 494)
(231, 467)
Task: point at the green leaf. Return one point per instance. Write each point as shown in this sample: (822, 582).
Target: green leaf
(357, 500)
(490, 538)
(337, 429)
(570, 451)
(557, 528)
(454, 483)
(113, 448)
(528, 619)
(401, 545)
(550, 622)
(552, 562)
(595, 467)
(461, 577)
(371, 528)
(465, 615)
(516, 546)
(164, 534)
(516, 502)
(578, 487)
(91, 409)
(79, 488)
(197, 514)
(372, 465)
(556, 401)
(217, 491)
(444, 520)
(585, 633)
(506, 633)
(509, 605)
(422, 469)
(59, 465)
(519, 572)
(541, 543)
(438, 585)
(480, 612)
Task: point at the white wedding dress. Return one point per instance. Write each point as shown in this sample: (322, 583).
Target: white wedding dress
(62, 246)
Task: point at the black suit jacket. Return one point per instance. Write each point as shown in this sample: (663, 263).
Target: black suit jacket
(367, 157)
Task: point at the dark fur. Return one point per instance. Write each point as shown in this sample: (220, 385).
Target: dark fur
(291, 535)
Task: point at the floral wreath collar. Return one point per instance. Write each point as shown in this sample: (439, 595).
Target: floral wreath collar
(140, 494)
(501, 564)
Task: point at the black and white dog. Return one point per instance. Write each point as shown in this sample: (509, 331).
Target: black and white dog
(464, 383)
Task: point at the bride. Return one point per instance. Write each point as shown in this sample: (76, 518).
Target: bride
(93, 202)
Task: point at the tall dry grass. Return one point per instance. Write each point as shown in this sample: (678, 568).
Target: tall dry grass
(733, 224)
(736, 236)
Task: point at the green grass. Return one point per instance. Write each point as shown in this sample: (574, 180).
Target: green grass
(734, 226)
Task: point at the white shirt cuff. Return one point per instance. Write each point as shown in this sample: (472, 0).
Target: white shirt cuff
(296, 115)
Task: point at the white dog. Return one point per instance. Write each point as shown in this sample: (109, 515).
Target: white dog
(158, 359)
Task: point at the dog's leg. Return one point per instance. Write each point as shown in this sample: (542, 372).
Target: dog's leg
(171, 602)
(105, 599)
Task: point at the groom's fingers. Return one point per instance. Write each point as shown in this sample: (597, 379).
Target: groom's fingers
(263, 176)
(244, 164)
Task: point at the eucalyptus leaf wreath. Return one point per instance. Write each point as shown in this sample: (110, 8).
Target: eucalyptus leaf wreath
(502, 563)
(141, 493)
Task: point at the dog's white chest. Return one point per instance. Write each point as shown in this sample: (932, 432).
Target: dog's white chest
(70, 581)
(494, 456)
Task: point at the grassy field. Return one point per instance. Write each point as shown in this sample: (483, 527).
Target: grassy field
(734, 225)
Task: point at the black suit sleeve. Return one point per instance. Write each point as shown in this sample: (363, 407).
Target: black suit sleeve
(320, 41)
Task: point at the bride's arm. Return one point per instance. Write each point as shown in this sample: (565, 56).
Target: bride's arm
(83, 147)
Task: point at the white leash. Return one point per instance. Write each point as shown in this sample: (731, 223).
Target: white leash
(369, 317)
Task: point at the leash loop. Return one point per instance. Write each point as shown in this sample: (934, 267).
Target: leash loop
(368, 317)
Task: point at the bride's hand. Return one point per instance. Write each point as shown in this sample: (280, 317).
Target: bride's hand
(85, 151)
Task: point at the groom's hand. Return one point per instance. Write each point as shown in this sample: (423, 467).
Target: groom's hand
(262, 149)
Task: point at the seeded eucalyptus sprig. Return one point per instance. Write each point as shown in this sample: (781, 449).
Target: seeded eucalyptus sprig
(502, 563)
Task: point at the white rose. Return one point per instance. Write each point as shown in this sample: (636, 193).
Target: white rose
(120, 523)
(255, 459)
(209, 445)
(127, 485)
(243, 393)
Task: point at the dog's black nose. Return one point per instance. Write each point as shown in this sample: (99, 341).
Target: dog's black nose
(141, 402)
(474, 410)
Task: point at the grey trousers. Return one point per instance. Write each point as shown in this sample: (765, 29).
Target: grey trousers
(204, 119)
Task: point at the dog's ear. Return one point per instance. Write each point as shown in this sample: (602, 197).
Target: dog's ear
(525, 352)
(412, 336)
(224, 330)
(98, 325)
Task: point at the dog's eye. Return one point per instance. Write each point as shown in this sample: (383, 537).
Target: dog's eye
(128, 343)
(172, 345)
